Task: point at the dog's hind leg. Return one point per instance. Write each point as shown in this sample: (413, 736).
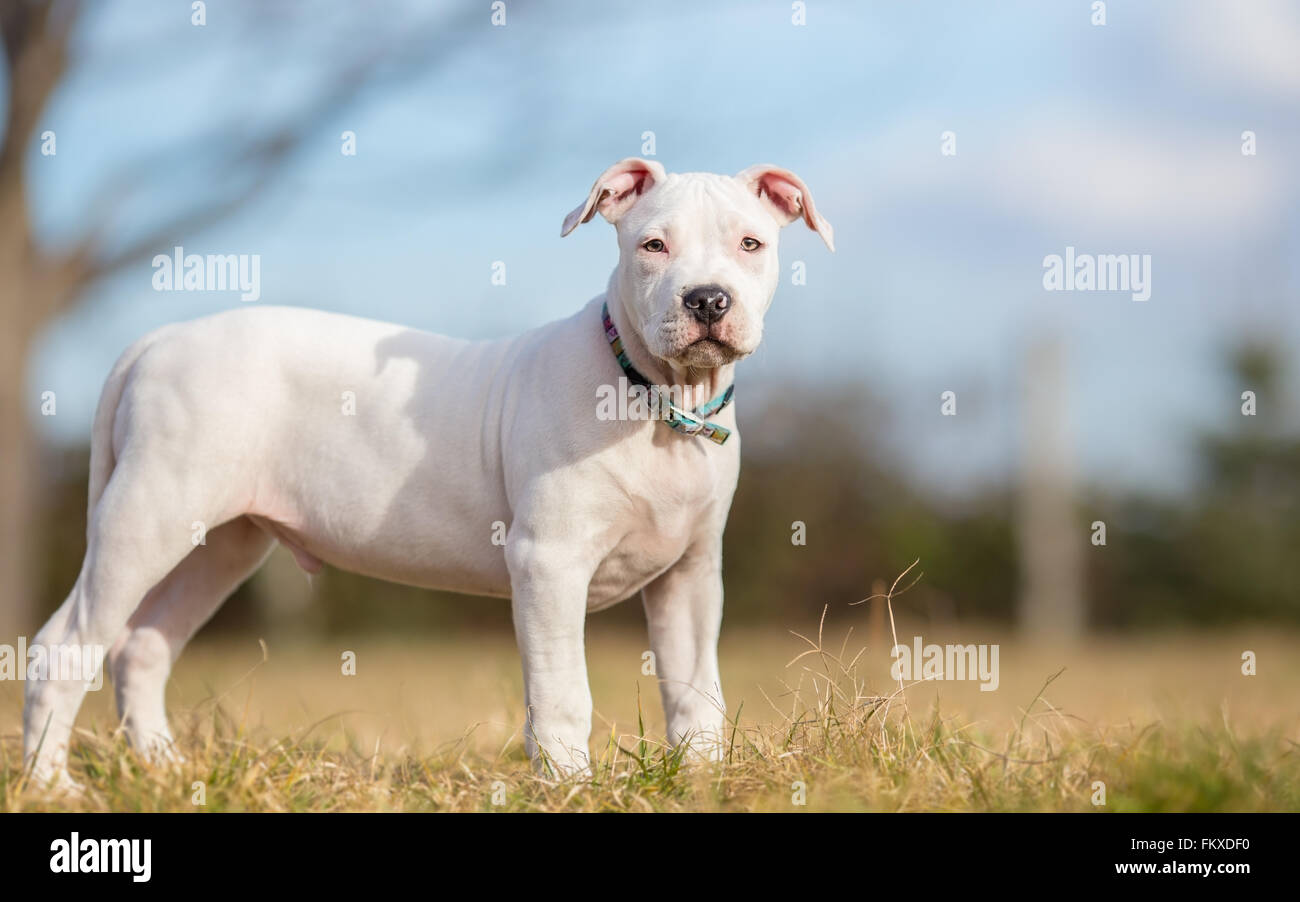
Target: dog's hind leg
(141, 659)
(139, 531)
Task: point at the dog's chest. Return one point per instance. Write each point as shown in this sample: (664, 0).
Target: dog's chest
(660, 522)
(636, 560)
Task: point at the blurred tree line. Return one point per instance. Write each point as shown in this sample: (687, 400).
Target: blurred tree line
(1223, 552)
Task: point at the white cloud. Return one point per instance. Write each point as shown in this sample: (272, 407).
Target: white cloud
(1135, 175)
(1084, 167)
(1252, 45)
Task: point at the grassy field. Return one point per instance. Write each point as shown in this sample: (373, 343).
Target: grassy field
(1166, 722)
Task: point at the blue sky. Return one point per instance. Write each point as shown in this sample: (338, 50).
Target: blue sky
(1123, 138)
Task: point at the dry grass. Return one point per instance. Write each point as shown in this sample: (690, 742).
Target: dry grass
(1167, 723)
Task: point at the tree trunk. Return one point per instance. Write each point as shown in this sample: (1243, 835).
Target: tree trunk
(28, 298)
(1051, 538)
(19, 539)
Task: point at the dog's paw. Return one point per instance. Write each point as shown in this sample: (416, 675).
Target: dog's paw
(55, 783)
(159, 751)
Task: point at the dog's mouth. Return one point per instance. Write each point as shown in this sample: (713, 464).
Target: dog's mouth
(685, 342)
(708, 351)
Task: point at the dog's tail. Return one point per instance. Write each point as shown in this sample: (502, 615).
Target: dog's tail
(102, 456)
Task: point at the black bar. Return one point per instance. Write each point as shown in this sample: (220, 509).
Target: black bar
(512, 852)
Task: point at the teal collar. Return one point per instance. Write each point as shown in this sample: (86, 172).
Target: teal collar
(686, 422)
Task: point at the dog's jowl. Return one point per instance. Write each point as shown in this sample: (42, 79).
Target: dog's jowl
(235, 423)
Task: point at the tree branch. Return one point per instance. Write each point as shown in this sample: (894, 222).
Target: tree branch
(261, 157)
(35, 35)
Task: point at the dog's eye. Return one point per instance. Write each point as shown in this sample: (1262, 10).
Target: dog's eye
(654, 246)
(751, 244)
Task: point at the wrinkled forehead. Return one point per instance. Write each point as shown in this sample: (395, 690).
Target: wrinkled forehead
(700, 199)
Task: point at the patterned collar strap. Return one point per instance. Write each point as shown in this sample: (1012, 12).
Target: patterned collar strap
(687, 422)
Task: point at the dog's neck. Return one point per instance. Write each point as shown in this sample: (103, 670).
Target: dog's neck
(693, 385)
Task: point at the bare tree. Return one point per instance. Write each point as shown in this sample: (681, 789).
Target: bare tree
(39, 283)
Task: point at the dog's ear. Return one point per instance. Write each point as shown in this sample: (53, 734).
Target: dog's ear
(616, 191)
(786, 197)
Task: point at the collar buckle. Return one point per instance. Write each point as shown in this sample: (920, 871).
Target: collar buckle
(687, 422)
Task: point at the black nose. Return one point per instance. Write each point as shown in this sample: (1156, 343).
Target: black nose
(708, 303)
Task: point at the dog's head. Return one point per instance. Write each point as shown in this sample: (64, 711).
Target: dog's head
(697, 253)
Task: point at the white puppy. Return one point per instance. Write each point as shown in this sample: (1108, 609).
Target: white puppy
(396, 453)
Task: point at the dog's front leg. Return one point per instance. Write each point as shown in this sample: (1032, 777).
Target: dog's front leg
(549, 607)
(684, 613)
